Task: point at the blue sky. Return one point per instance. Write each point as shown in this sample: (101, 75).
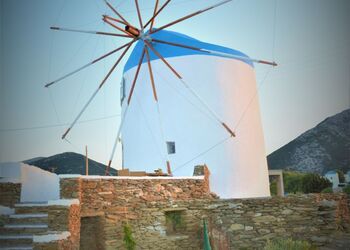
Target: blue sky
(309, 39)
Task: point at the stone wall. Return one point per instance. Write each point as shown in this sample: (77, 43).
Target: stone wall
(236, 224)
(54, 245)
(63, 218)
(70, 188)
(92, 236)
(10, 194)
(107, 204)
(249, 223)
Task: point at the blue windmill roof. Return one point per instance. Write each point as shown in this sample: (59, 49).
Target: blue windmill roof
(171, 51)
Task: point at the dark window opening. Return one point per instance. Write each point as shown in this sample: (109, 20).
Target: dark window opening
(170, 147)
(175, 222)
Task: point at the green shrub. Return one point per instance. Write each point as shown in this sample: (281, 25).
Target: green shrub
(292, 182)
(288, 244)
(273, 188)
(174, 222)
(129, 241)
(327, 190)
(314, 183)
(346, 189)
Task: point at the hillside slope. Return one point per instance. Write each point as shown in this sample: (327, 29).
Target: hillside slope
(68, 163)
(322, 148)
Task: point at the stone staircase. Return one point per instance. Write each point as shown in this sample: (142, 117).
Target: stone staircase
(19, 229)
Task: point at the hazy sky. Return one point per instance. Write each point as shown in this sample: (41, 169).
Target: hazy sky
(308, 39)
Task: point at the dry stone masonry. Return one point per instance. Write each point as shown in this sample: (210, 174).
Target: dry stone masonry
(168, 213)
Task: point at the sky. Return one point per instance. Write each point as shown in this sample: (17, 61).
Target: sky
(308, 39)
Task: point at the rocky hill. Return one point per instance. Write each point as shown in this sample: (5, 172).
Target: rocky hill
(318, 150)
(68, 163)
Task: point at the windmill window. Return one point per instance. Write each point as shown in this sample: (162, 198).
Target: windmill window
(171, 147)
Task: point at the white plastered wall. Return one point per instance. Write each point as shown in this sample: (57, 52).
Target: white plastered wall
(37, 185)
(238, 167)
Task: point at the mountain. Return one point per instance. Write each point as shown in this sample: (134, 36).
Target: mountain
(68, 163)
(318, 150)
(33, 160)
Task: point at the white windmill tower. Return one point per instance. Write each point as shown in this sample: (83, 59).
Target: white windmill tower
(217, 82)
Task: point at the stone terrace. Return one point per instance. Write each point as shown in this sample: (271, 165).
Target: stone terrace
(168, 213)
(107, 203)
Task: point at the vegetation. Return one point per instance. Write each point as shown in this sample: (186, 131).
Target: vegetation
(293, 182)
(290, 244)
(314, 183)
(327, 190)
(174, 221)
(128, 239)
(273, 188)
(346, 189)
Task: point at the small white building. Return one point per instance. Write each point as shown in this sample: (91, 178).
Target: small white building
(333, 177)
(37, 185)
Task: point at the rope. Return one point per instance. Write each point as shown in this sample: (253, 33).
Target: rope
(152, 8)
(211, 111)
(203, 153)
(84, 79)
(56, 125)
(274, 31)
(238, 123)
(253, 97)
(82, 153)
(162, 130)
(150, 130)
(182, 95)
(200, 99)
(227, 138)
(54, 107)
(50, 62)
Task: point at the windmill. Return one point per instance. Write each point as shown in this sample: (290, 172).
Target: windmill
(154, 47)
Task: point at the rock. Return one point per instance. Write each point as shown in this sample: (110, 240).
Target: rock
(280, 230)
(238, 211)
(234, 205)
(326, 203)
(299, 229)
(235, 227)
(248, 228)
(319, 239)
(264, 231)
(287, 212)
(266, 218)
(213, 206)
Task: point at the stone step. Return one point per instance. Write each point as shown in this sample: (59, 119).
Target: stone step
(16, 240)
(31, 208)
(39, 218)
(16, 229)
